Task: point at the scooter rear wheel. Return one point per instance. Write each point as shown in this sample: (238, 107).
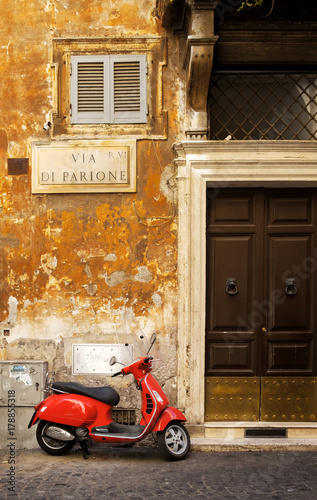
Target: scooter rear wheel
(52, 446)
(174, 441)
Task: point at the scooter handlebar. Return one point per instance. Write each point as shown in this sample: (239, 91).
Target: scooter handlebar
(141, 363)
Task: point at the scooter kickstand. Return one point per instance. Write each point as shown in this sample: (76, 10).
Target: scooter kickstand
(84, 449)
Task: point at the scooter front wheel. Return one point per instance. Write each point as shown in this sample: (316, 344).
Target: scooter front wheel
(49, 444)
(174, 441)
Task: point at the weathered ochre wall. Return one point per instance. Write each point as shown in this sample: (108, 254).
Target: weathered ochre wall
(82, 267)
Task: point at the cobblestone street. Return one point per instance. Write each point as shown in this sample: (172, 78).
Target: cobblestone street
(141, 473)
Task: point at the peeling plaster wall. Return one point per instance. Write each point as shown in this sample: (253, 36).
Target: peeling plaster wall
(91, 268)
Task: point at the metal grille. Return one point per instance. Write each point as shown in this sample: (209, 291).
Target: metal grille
(124, 416)
(266, 433)
(258, 106)
(149, 404)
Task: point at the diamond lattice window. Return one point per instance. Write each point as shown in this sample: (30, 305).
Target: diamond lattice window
(263, 106)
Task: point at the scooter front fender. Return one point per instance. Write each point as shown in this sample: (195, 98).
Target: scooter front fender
(170, 413)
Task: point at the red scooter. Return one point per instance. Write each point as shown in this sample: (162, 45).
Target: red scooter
(74, 413)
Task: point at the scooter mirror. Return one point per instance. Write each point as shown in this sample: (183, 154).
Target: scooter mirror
(152, 340)
(112, 361)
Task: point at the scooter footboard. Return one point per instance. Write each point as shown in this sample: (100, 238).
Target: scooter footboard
(170, 413)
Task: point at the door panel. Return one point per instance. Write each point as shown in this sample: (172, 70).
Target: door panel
(233, 210)
(231, 350)
(232, 254)
(290, 309)
(290, 232)
(232, 260)
(265, 239)
(289, 210)
(289, 356)
(231, 356)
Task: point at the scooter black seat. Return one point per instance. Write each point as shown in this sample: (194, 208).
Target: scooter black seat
(104, 394)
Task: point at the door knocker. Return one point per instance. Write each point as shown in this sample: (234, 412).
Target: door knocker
(290, 288)
(231, 287)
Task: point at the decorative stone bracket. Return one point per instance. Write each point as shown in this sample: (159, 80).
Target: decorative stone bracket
(197, 20)
(198, 59)
(198, 64)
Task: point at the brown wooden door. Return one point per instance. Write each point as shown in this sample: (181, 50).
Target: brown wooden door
(261, 279)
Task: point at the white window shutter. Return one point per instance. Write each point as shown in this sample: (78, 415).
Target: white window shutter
(108, 89)
(127, 88)
(89, 89)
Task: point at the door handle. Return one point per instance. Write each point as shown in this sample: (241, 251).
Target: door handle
(264, 329)
(290, 286)
(231, 286)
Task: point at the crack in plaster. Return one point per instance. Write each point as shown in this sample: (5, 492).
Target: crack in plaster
(157, 299)
(13, 310)
(111, 257)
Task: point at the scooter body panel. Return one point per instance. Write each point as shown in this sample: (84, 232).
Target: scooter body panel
(154, 400)
(74, 410)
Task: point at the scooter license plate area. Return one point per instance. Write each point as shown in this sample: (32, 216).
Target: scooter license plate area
(32, 418)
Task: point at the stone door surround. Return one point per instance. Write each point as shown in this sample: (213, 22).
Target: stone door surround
(216, 164)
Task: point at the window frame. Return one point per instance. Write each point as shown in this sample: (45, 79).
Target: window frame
(153, 47)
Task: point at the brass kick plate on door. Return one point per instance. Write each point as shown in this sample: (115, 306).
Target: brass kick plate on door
(289, 399)
(232, 398)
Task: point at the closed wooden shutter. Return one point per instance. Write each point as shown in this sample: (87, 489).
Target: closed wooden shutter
(108, 89)
(90, 86)
(128, 89)
(89, 89)
(126, 86)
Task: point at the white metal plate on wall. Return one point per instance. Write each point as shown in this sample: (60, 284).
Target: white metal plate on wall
(94, 358)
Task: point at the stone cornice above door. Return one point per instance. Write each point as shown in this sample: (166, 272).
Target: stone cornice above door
(270, 163)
